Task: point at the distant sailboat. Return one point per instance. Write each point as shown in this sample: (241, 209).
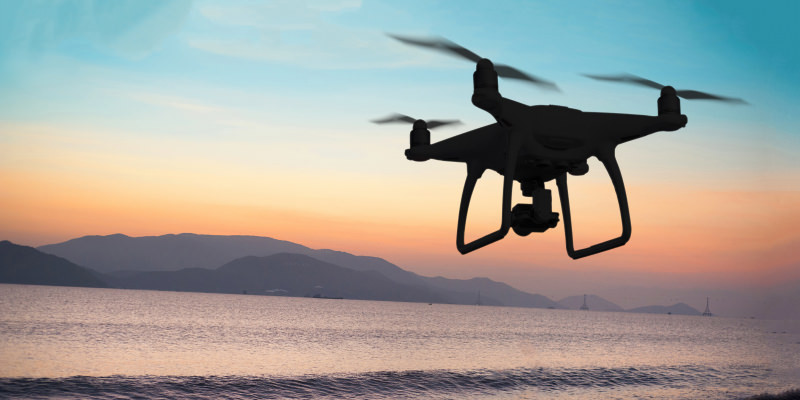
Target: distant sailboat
(478, 301)
(707, 312)
(584, 306)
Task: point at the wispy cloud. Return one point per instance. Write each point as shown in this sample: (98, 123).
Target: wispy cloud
(300, 33)
(127, 27)
(178, 103)
(274, 14)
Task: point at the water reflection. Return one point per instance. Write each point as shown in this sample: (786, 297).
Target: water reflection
(61, 332)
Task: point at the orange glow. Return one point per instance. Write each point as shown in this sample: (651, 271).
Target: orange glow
(699, 230)
(55, 189)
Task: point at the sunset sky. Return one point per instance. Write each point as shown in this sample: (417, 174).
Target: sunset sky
(252, 118)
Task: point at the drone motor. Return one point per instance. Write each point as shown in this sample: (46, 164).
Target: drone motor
(420, 135)
(669, 103)
(486, 96)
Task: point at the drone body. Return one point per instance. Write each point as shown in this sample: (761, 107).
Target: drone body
(536, 144)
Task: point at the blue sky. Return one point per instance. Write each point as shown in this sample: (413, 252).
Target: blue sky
(223, 105)
(290, 61)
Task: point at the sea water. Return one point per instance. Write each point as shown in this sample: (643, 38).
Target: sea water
(60, 342)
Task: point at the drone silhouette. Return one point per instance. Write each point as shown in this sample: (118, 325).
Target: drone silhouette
(539, 143)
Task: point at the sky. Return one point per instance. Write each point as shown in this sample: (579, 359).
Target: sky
(253, 118)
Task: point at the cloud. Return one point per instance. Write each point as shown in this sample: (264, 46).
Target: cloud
(305, 34)
(175, 102)
(287, 14)
(130, 28)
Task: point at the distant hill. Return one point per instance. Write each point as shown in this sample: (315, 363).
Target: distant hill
(489, 289)
(281, 274)
(594, 302)
(233, 264)
(367, 263)
(678, 309)
(26, 265)
(187, 250)
(165, 253)
(260, 265)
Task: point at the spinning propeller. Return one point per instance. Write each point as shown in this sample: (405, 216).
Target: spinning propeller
(686, 94)
(446, 46)
(431, 124)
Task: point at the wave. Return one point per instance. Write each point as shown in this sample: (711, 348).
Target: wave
(374, 385)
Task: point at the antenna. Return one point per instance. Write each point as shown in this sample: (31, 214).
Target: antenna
(707, 312)
(584, 306)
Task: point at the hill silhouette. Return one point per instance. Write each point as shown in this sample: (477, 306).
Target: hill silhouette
(267, 266)
(595, 303)
(490, 290)
(285, 274)
(171, 252)
(115, 253)
(26, 265)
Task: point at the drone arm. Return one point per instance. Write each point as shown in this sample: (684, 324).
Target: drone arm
(474, 172)
(610, 162)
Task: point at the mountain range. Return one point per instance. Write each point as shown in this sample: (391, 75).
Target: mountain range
(283, 274)
(187, 250)
(122, 256)
(266, 266)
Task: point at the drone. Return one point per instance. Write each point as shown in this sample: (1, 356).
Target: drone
(538, 143)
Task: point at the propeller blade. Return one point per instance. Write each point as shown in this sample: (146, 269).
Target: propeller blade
(686, 94)
(405, 118)
(695, 95)
(394, 118)
(450, 47)
(433, 124)
(439, 44)
(506, 71)
(626, 78)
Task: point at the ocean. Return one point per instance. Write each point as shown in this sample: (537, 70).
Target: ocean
(62, 342)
